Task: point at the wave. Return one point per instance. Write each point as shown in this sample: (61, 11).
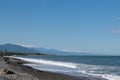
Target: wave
(56, 63)
(73, 68)
(107, 76)
(99, 71)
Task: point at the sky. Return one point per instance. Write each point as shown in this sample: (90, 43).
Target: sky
(71, 25)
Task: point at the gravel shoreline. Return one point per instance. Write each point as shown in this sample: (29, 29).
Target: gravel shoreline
(12, 69)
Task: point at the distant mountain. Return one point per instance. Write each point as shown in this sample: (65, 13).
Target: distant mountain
(22, 48)
(60, 52)
(16, 48)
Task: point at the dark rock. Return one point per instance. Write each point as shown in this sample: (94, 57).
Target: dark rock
(5, 71)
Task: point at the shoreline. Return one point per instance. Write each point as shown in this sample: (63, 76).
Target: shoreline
(22, 72)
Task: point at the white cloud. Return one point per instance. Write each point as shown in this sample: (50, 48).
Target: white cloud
(72, 50)
(117, 17)
(116, 31)
(28, 46)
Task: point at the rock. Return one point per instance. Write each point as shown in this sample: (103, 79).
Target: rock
(5, 71)
(6, 59)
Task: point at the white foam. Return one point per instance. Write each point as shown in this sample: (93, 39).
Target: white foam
(90, 69)
(51, 68)
(56, 63)
(107, 76)
(111, 76)
(83, 68)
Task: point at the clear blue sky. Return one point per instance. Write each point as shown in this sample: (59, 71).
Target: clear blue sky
(78, 25)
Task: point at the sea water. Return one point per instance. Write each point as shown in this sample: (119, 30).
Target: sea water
(107, 67)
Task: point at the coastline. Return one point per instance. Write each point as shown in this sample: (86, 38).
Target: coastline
(18, 71)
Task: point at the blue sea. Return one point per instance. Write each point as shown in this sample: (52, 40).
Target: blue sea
(107, 67)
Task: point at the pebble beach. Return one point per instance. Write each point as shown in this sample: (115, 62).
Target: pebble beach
(13, 69)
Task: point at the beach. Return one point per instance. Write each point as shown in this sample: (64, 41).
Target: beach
(13, 69)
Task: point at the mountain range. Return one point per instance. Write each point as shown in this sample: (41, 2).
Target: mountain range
(19, 48)
(16, 48)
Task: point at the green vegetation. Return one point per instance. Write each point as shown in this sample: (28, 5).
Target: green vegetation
(5, 53)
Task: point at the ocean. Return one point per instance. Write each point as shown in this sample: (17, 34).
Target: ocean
(107, 67)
